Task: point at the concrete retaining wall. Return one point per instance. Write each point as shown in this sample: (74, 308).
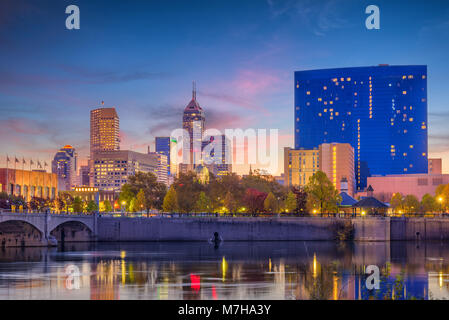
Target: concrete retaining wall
(419, 229)
(268, 229)
(202, 229)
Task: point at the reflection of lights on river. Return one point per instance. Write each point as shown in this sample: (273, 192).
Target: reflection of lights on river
(224, 268)
(269, 264)
(123, 265)
(314, 265)
(335, 289)
(440, 279)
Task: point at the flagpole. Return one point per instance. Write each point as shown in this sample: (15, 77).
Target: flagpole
(7, 174)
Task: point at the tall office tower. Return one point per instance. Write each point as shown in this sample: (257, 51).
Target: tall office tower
(163, 147)
(64, 164)
(193, 122)
(217, 156)
(104, 133)
(381, 111)
(104, 130)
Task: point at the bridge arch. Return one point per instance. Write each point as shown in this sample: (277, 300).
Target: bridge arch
(72, 231)
(20, 233)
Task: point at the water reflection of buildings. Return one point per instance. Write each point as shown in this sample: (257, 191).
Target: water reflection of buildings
(240, 271)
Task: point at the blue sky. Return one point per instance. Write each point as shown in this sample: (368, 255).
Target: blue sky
(141, 57)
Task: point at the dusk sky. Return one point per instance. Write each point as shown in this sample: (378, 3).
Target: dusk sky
(142, 56)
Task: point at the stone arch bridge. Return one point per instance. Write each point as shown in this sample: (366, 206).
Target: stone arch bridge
(35, 229)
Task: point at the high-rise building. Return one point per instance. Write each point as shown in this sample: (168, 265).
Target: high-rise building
(84, 176)
(193, 121)
(217, 156)
(162, 165)
(336, 160)
(104, 134)
(64, 164)
(111, 169)
(381, 111)
(163, 146)
(104, 130)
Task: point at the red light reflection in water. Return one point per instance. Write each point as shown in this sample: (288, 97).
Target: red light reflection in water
(195, 282)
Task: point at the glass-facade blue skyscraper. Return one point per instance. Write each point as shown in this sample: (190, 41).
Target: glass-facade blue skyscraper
(381, 111)
(163, 147)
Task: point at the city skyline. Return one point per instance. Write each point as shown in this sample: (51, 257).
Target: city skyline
(244, 65)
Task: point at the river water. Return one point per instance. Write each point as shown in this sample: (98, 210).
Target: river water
(233, 270)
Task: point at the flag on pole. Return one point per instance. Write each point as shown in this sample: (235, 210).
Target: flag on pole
(39, 164)
(7, 159)
(24, 161)
(16, 160)
(45, 164)
(31, 162)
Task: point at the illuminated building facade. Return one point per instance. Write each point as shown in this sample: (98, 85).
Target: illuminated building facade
(221, 163)
(104, 134)
(29, 184)
(104, 130)
(336, 160)
(163, 146)
(300, 165)
(193, 122)
(162, 165)
(381, 111)
(64, 164)
(112, 168)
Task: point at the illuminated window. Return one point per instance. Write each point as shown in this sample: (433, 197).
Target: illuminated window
(308, 93)
(404, 92)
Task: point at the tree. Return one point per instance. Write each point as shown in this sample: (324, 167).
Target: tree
(132, 205)
(396, 203)
(321, 194)
(270, 203)
(429, 204)
(290, 202)
(78, 205)
(126, 195)
(203, 203)
(254, 200)
(170, 203)
(187, 189)
(230, 203)
(140, 201)
(411, 204)
(107, 206)
(154, 190)
(92, 207)
(67, 200)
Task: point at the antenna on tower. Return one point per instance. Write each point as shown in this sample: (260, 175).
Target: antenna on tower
(194, 90)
